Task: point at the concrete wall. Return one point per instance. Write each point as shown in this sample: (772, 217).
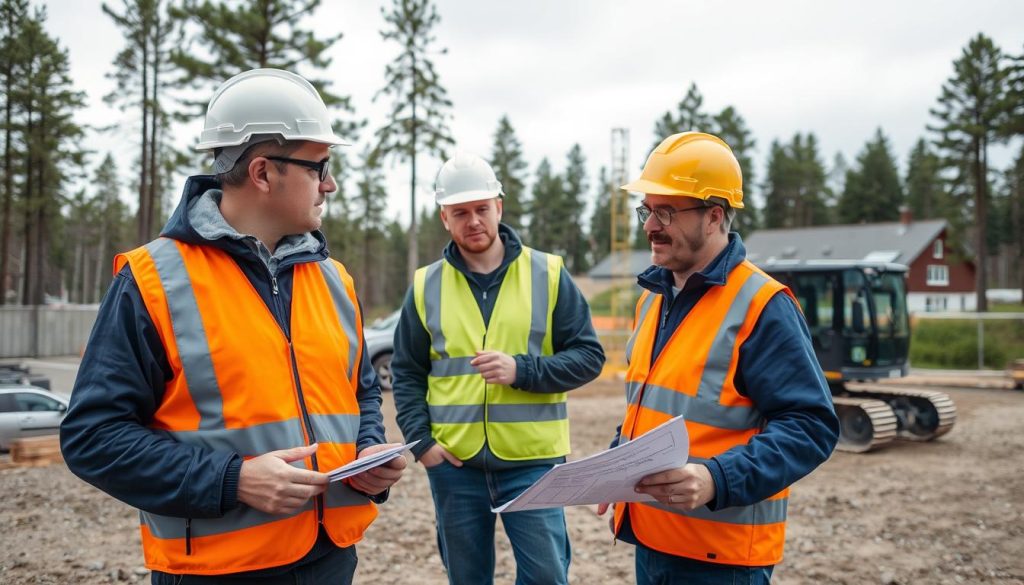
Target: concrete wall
(45, 331)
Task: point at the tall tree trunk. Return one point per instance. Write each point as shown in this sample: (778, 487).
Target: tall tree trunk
(154, 130)
(142, 234)
(980, 223)
(101, 252)
(5, 223)
(414, 241)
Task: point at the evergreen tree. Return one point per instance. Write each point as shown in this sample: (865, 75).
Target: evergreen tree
(873, 192)
(971, 113)
(12, 57)
(112, 222)
(433, 237)
(795, 185)
(730, 126)
(601, 219)
(510, 166)
(369, 207)
(144, 74)
(239, 36)
(419, 114)
(1015, 215)
(926, 196)
(573, 206)
(48, 103)
(545, 210)
(689, 116)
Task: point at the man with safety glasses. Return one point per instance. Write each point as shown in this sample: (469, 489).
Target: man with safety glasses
(226, 373)
(721, 343)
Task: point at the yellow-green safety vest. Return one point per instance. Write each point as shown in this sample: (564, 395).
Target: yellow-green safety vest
(464, 410)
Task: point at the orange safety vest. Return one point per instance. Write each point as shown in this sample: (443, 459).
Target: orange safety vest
(239, 384)
(693, 377)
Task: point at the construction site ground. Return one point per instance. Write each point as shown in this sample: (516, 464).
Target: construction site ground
(949, 511)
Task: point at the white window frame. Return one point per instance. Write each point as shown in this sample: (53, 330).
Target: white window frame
(937, 275)
(937, 249)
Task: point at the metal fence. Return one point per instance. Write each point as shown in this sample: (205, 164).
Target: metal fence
(45, 331)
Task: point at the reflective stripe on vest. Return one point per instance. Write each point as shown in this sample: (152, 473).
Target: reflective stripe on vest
(241, 385)
(697, 383)
(518, 425)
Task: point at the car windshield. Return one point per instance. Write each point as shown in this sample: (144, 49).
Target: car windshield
(386, 323)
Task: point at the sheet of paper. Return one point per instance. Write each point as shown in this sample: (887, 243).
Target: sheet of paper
(361, 465)
(608, 476)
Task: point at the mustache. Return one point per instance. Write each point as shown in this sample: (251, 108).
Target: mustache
(659, 238)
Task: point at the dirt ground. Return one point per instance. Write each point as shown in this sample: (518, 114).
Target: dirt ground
(950, 511)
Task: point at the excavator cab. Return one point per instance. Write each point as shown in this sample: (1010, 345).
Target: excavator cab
(857, 316)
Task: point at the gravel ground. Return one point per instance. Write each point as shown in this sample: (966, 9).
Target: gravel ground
(950, 511)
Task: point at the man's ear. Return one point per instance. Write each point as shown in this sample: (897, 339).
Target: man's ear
(501, 206)
(444, 219)
(259, 173)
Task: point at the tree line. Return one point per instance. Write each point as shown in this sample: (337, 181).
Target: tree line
(63, 218)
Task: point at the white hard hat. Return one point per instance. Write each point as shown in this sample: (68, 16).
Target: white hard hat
(266, 101)
(465, 177)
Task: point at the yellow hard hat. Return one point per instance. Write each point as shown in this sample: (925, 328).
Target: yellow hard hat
(692, 164)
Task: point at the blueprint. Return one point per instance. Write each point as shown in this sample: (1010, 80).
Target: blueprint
(608, 476)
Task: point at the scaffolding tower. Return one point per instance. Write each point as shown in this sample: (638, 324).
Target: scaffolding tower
(622, 229)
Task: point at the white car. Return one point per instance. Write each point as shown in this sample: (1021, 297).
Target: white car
(380, 344)
(27, 411)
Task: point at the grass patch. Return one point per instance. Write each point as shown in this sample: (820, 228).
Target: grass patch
(628, 295)
(941, 343)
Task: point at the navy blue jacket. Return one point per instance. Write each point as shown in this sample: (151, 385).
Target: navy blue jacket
(121, 382)
(578, 356)
(777, 370)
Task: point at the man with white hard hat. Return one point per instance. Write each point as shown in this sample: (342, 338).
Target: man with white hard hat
(490, 339)
(225, 373)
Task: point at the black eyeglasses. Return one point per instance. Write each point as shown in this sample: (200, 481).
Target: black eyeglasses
(322, 168)
(663, 215)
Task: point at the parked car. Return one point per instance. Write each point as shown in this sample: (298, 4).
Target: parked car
(380, 341)
(19, 374)
(27, 411)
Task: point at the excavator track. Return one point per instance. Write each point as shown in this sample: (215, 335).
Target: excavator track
(922, 415)
(864, 423)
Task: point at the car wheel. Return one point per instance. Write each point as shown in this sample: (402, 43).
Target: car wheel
(382, 365)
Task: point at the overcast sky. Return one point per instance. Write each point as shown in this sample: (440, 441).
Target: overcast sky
(569, 71)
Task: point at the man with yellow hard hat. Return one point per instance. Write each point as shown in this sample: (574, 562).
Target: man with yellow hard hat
(721, 343)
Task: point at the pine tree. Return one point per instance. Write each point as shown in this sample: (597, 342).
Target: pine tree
(48, 103)
(730, 126)
(510, 166)
(873, 192)
(143, 73)
(971, 114)
(251, 34)
(370, 204)
(689, 116)
(601, 219)
(545, 211)
(12, 57)
(112, 217)
(795, 185)
(926, 196)
(573, 206)
(418, 120)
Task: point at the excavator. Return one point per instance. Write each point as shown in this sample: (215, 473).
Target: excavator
(856, 312)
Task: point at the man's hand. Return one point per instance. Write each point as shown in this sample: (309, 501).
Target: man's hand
(374, 481)
(495, 367)
(269, 484)
(686, 488)
(436, 454)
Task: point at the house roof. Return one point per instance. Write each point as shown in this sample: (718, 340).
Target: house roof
(893, 242)
(890, 242)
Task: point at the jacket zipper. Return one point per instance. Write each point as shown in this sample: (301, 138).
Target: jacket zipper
(318, 503)
(188, 536)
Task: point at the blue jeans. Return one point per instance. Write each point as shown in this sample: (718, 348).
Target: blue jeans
(463, 498)
(658, 568)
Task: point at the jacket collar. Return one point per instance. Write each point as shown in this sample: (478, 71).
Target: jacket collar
(509, 237)
(659, 280)
(197, 220)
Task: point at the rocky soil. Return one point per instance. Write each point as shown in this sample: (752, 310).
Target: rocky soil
(950, 511)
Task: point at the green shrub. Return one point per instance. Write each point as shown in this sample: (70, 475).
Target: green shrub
(953, 344)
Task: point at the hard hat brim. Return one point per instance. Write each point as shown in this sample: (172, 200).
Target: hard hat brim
(467, 196)
(653, 188)
(329, 139)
